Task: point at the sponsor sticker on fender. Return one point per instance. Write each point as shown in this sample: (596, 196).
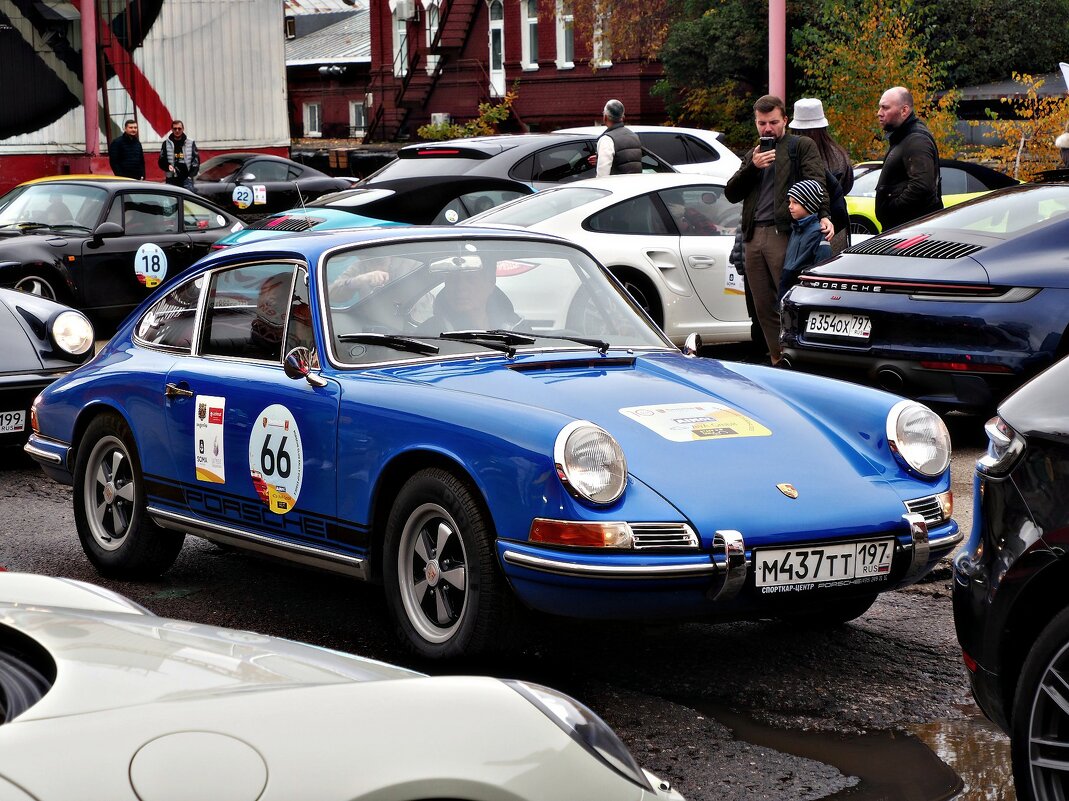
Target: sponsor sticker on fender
(686, 422)
(208, 438)
(276, 458)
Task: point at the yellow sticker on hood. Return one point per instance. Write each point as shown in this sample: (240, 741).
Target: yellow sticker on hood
(685, 422)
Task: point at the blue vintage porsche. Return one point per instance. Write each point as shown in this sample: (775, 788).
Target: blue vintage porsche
(477, 419)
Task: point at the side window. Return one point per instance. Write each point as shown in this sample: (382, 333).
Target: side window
(196, 217)
(523, 169)
(245, 312)
(668, 146)
(651, 164)
(473, 203)
(698, 152)
(299, 331)
(953, 180)
(169, 322)
(701, 210)
(268, 170)
(145, 213)
(638, 215)
(974, 184)
(564, 163)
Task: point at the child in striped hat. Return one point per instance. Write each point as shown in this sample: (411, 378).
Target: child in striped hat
(807, 245)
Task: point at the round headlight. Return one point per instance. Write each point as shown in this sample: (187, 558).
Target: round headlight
(919, 437)
(590, 462)
(72, 333)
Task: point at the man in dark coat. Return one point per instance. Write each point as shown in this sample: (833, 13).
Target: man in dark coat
(179, 158)
(126, 154)
(909, 184)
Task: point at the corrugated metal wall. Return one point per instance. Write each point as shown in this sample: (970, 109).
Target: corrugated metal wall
(218, 65)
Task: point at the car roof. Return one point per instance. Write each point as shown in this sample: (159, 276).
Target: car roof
(643, 182)
(74, 177)
(597, 129)
(112, 182)
(490, 144)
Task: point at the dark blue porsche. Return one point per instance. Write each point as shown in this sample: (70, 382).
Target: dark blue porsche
(474, 418)
(955, 309)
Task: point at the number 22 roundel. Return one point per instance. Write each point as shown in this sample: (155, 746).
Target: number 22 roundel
(276, 458)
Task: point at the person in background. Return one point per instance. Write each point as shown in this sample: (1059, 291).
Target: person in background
(909, 184)
(1062, 143)
(806, 246)
(619, 148)
(179, 158)
(125, 153)
(809, 121)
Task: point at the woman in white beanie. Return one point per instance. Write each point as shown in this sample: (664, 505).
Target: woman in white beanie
(809, 121)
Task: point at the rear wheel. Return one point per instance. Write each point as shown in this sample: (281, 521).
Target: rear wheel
(642, 291)
(1039, 736)
(109, 506)
(442, 586)
(861, 225)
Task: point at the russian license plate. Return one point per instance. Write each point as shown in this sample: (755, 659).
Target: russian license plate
(833, 324)
(818, 564)
(11, 422)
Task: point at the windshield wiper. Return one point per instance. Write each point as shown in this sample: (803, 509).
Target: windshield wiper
(495, 338)
(601, 345)
(391, 341)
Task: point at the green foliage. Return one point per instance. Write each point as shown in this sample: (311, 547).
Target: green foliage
(851, 56)
(490, 116)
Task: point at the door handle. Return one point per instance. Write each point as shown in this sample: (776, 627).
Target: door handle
(175, 391)
(181, 247)
(701, 262)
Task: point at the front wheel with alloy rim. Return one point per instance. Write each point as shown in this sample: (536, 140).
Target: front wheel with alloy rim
(33, 284)
(109, 506)
(1039, 736)
(443, 588)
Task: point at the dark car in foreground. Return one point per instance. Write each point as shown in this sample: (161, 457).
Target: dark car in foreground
(42, 341)
(955, 309)
(103, 244)
(1011, 604)
(540, 160)
(257, 183)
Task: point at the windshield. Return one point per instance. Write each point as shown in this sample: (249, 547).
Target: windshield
(537, 208)
(1007, 212)
(219, 168)
(52, 205)
(388, 302)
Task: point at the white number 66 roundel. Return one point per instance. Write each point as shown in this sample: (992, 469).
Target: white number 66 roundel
(276, 458)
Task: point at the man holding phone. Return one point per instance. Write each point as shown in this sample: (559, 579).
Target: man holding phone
(761, 183)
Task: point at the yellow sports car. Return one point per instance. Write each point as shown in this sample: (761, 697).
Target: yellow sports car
(961, 180)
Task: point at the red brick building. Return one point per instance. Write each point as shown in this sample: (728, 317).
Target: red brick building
(444, 57)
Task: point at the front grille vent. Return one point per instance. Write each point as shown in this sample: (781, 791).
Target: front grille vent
(928, 508)
(917, 247)
(663, 535)
(292, 224)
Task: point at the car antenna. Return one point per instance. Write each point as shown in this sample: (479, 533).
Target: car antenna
(300, 197)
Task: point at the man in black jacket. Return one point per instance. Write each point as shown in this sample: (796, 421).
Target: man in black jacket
(179, 158)
(909, 184)
(125, 153)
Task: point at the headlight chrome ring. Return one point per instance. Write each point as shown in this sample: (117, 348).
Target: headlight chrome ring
(919, 438)
(590, 462)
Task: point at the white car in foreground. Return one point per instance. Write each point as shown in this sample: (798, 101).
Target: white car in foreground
(667, 238)
(686, 149)
(100, 699)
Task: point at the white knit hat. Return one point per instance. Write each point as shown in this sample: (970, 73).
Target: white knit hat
(808, 113)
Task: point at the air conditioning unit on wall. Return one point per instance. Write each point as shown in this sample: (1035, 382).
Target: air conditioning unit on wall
(441, 118)
(405, 9)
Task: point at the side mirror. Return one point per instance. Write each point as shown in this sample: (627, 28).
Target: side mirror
(108, 229)
(298, 364)
(693, 345)
(248, 177)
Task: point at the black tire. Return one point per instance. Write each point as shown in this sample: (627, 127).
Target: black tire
(1039, 723)
(109, 506)
(860, 225)
(834, 614)
(37, 284)
(443, 587)
(643, 293)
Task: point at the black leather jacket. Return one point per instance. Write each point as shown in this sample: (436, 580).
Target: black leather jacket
(909, 184)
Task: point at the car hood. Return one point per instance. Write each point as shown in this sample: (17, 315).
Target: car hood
(98, 640)
(715, 439)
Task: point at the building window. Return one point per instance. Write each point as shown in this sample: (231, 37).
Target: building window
(565, 35)
(432, 32)
(357, 119)
(291, 27)
(400, 42)
(497, 49)
(529, 33)
(313, 119)
(602, 46)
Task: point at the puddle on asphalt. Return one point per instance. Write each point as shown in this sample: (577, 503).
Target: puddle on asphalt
(965, 760)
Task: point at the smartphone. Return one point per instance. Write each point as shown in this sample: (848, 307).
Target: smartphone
(767, 143)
